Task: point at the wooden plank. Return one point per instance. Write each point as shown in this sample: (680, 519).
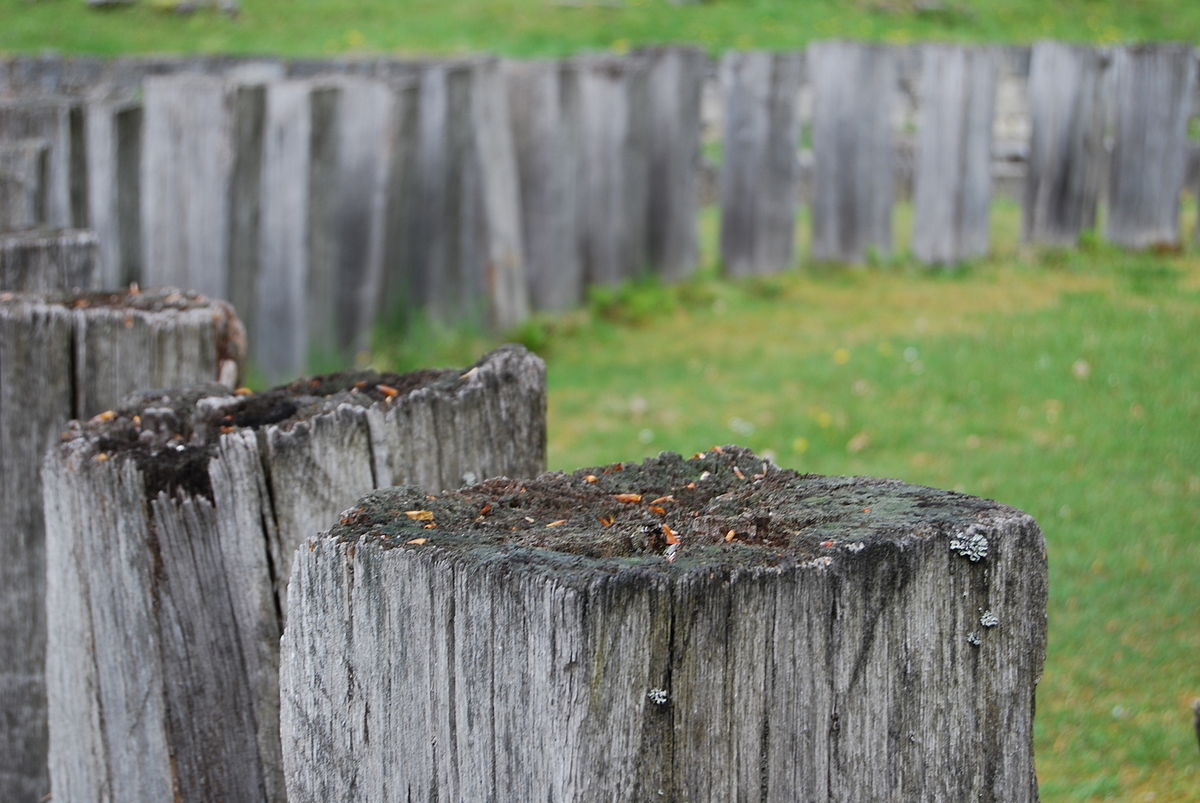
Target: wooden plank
(58, 260)
(1152, 82)
(808, 638)
(546, 144)
(1066, 149)
(50, 345)
(854, 87)
(210, 492)
(113, 145)
(760, 172)
(953, 180)
(23, 184)
(50, 119)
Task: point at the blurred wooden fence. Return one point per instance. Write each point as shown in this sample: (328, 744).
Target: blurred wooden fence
(320, 195)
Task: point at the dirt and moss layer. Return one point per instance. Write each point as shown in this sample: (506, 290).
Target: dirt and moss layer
(723, 506)
(156, 300)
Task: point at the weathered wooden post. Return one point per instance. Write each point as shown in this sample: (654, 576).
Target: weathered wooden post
(760, 174)
(1065, 168)
(34, 261)
(713, 628)
(57, 121)
(1153, 97)
(165, 604)
(674, 79)
(64, 356)
(952, 186)
(854, 87)
(542, 102)
(113, 141)
(23, 179)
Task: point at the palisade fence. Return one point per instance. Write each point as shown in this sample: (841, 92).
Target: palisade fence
(320, 195)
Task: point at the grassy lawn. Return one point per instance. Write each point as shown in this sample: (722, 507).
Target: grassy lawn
(1062, 383)
(556, 27)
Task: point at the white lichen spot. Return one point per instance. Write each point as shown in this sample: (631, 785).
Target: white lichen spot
(857, 546)
(973, 639)
(657, 696)
(823, 562)
(989, 619)
(973, 546)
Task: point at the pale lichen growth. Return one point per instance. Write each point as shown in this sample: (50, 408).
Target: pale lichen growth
(989, 619)
(857, 546)
(657, 696)
(973, 639)
(973, 546)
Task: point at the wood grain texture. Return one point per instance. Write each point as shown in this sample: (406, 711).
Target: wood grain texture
(23, 183)
(63, 356)
(855, 88)
(760, 171)
(952, 193)
(1153, 97)
(839, 645)
(41, 260)
(49, 118)
(210, 493)
(113, 143)
(1066, 150)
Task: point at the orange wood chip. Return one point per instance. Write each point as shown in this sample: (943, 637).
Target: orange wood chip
(739, 473)
(662, 499)
(591, 478)
(417, 541)
(107, 415)
(672, 536)
(627, 497)
(658, 510)
(606, 521)
(243, 392)
(419, 515)
(556, 523)
(387, 390)
(730, 535)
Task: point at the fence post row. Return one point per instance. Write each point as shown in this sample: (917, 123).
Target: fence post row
(35, 261)
(165, 605)
(63, 356)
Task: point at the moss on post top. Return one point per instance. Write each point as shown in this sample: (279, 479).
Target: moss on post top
(722, 509)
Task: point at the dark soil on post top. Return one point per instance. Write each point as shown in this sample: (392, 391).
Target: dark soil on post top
(157, 300)
(724, 507)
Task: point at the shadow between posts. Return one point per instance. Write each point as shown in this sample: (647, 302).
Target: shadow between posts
(712, 628)
(172, 522)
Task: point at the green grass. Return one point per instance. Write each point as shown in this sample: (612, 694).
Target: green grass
(1064, 383)
(557, 27)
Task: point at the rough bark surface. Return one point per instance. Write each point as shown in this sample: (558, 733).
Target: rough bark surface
(63, 356)
(760, 171)
(1154, 86)
(165, 607)
(41, 260)
(1066, 150)
(952, 192)
(807, 638)
(855, 87)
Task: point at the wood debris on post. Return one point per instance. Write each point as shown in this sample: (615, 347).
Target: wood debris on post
(760, 171)
(952, 192)
(855, 87)
(1065, 168)
(63, 356)
(712, 628)
(23, 180)
(47, 260)
(164, 605)
(1153, 98)
(675, 77)
(546, 142)
(613, 164)
(57, 121)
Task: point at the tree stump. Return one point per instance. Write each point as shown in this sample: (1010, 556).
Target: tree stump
(712, 628)
(1066, 149)
(63, 356)
(760, 169)
(164, 604)
(38, 261)
(1153, 93)
(854, 97)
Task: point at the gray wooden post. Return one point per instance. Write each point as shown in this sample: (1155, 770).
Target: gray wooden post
(1065, 167)
(1154, 85)
(23, 183)
(546, 142)
(713, 628)
(760, 171)
(614, 200)
(675, 76)
(952, 191)
(113, 144)
(855, 87)
(35, 261)
(165, 605)
(58, 122)
(64, 356)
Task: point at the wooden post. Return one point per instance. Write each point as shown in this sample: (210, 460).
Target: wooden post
(164, 606)
(675, 76)
(546, 141)
(114, 150)
(1065, 167)
(952, 192)
(23, 180)
(39, 260)
(855, 87)
(1154, 85)
(760, 171)
(58, 122)
(63, 356)
(713, 628)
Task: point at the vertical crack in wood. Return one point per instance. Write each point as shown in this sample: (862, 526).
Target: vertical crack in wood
(273, 571)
